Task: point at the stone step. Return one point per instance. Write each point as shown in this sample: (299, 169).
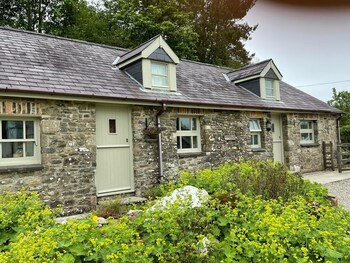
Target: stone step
(133, 200)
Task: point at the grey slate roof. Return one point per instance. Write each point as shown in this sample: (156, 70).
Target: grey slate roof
(36, 63)
(248, 71)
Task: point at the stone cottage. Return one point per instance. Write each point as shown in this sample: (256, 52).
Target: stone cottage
(80, 121)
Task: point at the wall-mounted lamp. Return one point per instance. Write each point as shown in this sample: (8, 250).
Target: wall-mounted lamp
(268, 125)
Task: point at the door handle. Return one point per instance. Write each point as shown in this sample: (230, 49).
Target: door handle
(127, 140)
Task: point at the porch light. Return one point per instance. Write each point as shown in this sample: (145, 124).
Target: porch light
(268, 125)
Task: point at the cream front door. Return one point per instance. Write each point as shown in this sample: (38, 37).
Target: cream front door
(277, 138)
(114, 169)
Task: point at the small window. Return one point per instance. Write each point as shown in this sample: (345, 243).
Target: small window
(18, 142)
(159, 74)
(112, 126)
(188, 135)
(255, 133)
(269, 88)
(307, 134)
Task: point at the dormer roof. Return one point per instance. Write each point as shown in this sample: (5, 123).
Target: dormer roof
(254, 71)
(145, 51)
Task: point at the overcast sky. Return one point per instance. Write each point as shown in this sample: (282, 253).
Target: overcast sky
(308, 45)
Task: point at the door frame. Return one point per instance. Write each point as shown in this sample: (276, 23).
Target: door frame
(278, 117)
(122, 190)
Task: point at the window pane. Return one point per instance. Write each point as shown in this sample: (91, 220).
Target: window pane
(159, 69)
(12, 129)
(112, 126)
(254, 125)
(159, 81)
(178, 142)
(29, 149)
(186, 142)
(12, 149)
(195, 141)
(305, 125)
(185, 124)
(254, 139)
(29, 129)
(194, 124)
(177, 124)
(305, 136)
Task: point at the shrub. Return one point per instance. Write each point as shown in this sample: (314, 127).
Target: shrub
(21, 212)
(268, 179)
(295, 227)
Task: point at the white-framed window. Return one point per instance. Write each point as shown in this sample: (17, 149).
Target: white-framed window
(19, 142)
(255, 133)
(159, 75)
(188, 135)
(307, 132)
(269, 88)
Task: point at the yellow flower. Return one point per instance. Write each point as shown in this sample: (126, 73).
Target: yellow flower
(95, 218)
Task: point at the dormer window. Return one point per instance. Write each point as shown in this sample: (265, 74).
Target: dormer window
(159, 75)
(153, 65)
(262, 79)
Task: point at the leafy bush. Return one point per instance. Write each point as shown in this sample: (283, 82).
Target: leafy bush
(268, 179)
(345, 134)
(21, 212)
(254, 226)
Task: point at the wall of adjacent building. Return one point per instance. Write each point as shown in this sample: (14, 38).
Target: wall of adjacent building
(68, 157)
(307, 158)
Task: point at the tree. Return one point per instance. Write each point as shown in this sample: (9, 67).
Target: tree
(140, 20)
(210, 31)
(221, 31)
(341, 101)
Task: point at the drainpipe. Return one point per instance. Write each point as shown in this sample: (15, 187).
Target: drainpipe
(338, 129)
(160, 161)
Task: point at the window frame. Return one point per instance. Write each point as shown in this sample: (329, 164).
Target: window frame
(307, 131)
(21, 160)
(255, 132)
(188, 133)
(166, 76)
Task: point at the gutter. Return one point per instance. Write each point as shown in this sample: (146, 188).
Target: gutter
(160, 151)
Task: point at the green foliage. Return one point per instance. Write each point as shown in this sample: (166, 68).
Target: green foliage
(268, 179)
(142, 20)
(345, 134)
(341, 101)
(296, 227)
(22, 212)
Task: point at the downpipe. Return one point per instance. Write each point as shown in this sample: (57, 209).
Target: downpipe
(160, 150)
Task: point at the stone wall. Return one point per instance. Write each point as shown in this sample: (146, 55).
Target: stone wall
(307, 158)
(68, 154)
(68, 147)
(225, 137)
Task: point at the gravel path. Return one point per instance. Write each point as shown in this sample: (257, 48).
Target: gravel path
(341, 190)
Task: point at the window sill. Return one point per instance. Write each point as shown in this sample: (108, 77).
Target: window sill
(258, 150)
(307, 145)
(21, 168)
(187, 155)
